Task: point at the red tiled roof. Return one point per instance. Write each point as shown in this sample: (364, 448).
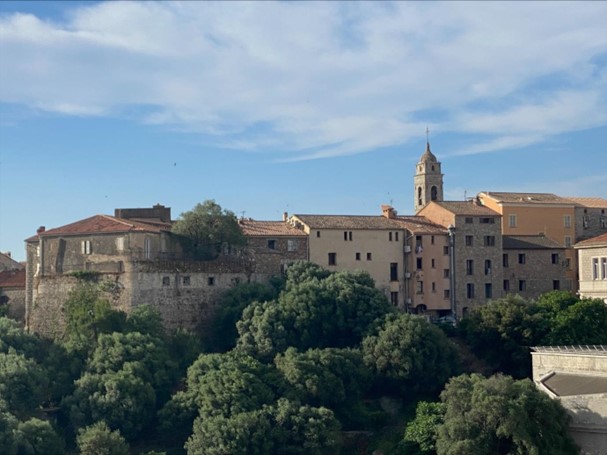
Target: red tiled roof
(349, 222)
(103, 224)
(254, 228)
(526, 198)
(599, 240)
(12, 279)
(421, 225)
(590, 202)
(466, 208)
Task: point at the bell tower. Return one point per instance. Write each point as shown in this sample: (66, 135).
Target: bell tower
(428, 179)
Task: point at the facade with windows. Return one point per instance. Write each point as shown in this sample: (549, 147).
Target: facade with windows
(592, 259)
(533, 265)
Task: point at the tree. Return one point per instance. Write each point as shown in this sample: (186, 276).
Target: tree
(207, 229)
(223, 333)
(500, 415)
(22, 383)
(325, 310)
(410, 354)
(420, 433)
(584, 322)
(146, 320)
(37, 437)
(98, 439)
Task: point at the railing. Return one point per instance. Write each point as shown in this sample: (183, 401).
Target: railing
(599, 349)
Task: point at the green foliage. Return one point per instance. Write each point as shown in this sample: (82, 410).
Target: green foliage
(502, 331)
(184, 348)
(410, 354)
(86, 275)
(37, 437)
(324, 310)
(325, 377)
(98, 439)
(22, 383)
(87, 314)
(13, 336)
(420, 433)
(207, 229)
(145, 320)
(285, 428)
(223, 332)
(500, 415)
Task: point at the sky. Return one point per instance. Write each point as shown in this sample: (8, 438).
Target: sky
(303, 107)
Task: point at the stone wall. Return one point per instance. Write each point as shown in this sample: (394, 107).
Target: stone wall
(589, 287)
(537, 272)
(272, 255)
(545, 362)
(589, 222)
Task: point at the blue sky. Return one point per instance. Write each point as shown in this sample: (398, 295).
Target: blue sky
(305, 107)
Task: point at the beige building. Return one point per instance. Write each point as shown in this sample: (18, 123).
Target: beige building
(577, 377)
(592, 260)
(590, 217)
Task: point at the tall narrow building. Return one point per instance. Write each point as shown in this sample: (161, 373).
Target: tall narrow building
(428, 180)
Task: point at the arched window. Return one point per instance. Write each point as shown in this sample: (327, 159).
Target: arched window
(433, 167)
(419, 195)
(433, 193)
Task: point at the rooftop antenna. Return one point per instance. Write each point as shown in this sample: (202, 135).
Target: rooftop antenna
(465, 195)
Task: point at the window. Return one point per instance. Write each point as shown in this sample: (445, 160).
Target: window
(568, 263)
(489, 240)
(433, 286)
(369, 257)
(506, 285)
(433, 263)
(505, 261)
(556, 285)
(470, 290)
(446, 293)
(393, 271)
(396, 236)
(487, 220)
(431, 240)
(292, 245)
(87, 247)
(317, 234)
(488, 291)
(595, 268)
(555, 258)
(567, 221)
(120, 243)
(568, 285)
(446, 273)
(604, 268)
(522, 285)
(358, 256)
(390, 236)
(419, 287)
(445, 250)
(166, 281)
(522, 258)
(487, 267)
(332, 258)
(469, 220)
(418, 244)
(186, 280)
(469, 240)
(419, 263)
(567, 241)
(211, 281)
(394, 298)
(433, 191)
(603, 221)
(469, 267)
(272, 244)
(512, 221)
(147, 248)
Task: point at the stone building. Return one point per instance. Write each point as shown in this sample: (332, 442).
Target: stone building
(592, 260)
(532, 265)
(12, 286)
(475, 247)
(577, 377)
(428, 180)
(590, 217)
(138, 261)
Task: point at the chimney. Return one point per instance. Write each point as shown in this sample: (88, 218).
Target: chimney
(40, 230)
(388, 211)
(285, 216)
(8, 253)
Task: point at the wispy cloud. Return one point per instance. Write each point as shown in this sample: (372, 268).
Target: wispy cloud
(313, 80)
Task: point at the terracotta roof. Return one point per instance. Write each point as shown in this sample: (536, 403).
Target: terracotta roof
(421, 225)
(466, 208)
(12, 279)
(526, 198)
(590, 202)
(254, 228)
(599, 240)
(349, 222)
(529, 242)
(103, 224)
